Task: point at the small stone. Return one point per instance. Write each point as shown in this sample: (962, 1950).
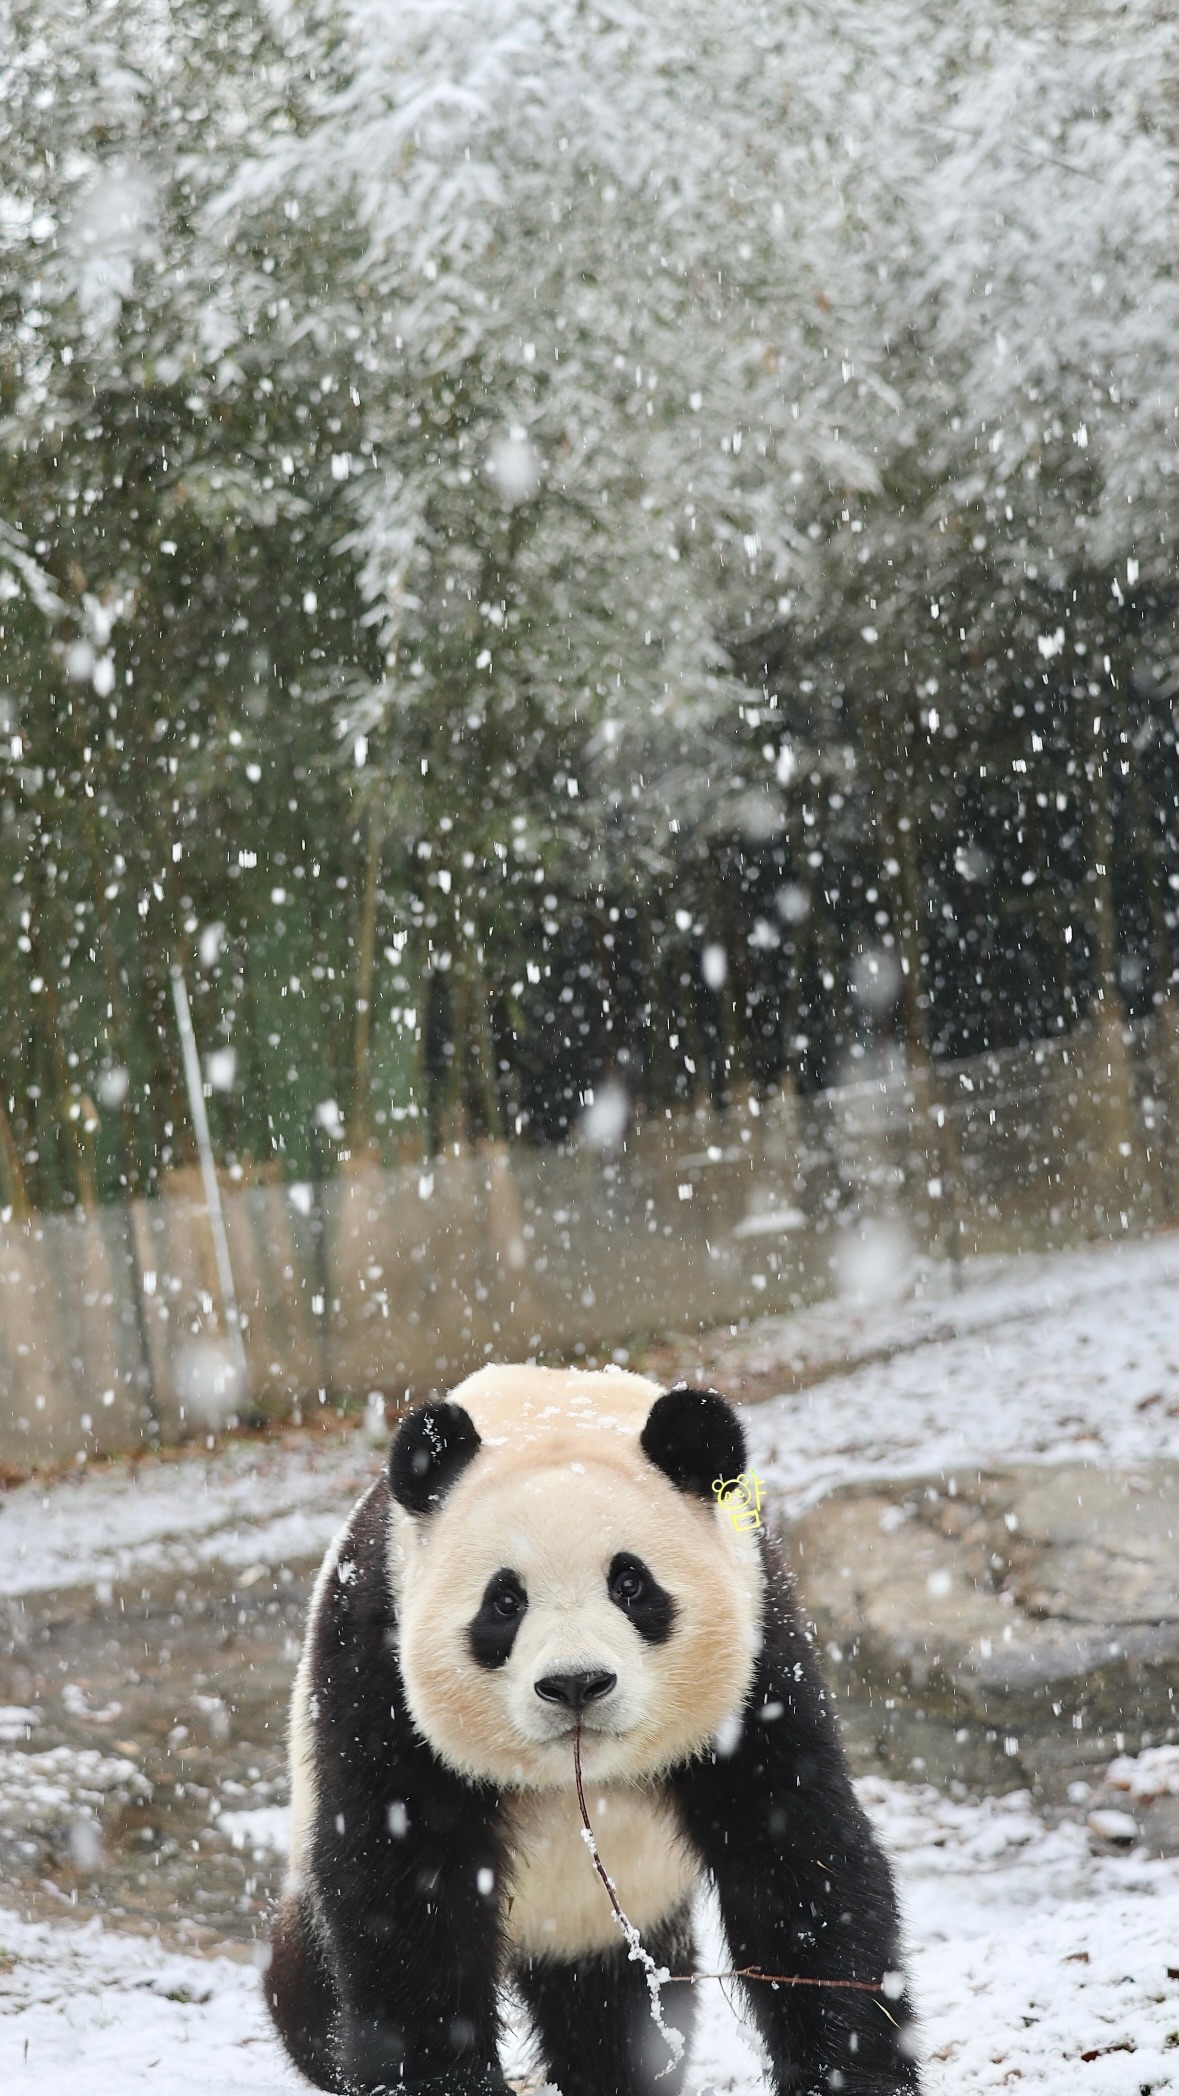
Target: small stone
(1110, 1825)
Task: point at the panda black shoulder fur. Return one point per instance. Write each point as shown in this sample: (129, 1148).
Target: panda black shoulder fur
(546, 1549)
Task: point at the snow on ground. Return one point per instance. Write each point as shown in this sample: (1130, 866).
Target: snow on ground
(248, 1503)
(1052, 1359)
(1037, 1960)
(1034, 1961)
(114, 2011)
(1086, 2004)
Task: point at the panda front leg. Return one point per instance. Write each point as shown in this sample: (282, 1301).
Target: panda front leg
(412, 1928)
(805, 1890)
(300, 1994)
(592, 2015)
(398, 1862)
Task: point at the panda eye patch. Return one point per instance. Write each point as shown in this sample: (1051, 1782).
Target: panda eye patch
(492, 1633)
(634, 1589)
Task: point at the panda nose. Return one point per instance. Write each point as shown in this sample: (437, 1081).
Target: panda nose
(575, 1690)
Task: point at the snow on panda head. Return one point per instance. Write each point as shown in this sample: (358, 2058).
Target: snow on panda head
(558, 1555)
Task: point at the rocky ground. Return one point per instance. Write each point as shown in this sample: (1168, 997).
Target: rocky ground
(1004, 1628)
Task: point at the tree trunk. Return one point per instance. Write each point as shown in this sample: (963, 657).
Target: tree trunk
(10, 1169)
(1113, 1088)
(475, 1043)
(360, 1133)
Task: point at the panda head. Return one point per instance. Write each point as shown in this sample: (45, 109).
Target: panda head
(559, 1557)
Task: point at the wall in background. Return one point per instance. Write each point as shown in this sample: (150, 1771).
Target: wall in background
(112, 1332)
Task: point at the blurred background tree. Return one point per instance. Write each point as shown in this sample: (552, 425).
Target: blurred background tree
(551, 543)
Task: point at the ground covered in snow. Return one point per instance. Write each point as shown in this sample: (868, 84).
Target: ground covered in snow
(1041, 1959)
(1035, 1961)
(1061, 1358)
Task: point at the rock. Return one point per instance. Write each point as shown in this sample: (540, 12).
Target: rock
(1111, 1825)
(1148, 1776)
(1028, 1618)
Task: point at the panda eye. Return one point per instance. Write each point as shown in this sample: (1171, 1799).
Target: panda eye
(633, 1588)
(507, 1601)
(492, 1632)
(628, 1584)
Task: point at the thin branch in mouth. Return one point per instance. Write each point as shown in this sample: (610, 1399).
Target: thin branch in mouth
(655, 1975)
(658, 1975)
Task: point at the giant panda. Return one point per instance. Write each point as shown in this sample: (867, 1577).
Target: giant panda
(546, 1551)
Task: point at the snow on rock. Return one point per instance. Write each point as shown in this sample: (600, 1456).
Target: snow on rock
(260, 1829)
(1152, 1774)
(1111, 1825)
(39, 1791)
(18, 1721)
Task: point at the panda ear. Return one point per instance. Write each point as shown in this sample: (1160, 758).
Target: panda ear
(694, 1437)
(431, 1449)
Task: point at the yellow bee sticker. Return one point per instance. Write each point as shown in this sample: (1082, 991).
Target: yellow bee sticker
(741, 1499)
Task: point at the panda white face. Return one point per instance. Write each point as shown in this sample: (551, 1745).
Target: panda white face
(577, 1586)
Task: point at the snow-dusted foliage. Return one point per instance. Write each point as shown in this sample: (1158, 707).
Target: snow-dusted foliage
(625, 446)
(635, 301)
(711, 276)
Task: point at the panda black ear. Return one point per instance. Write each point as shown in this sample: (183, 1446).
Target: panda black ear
(431, 1448)
(694, 1437)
